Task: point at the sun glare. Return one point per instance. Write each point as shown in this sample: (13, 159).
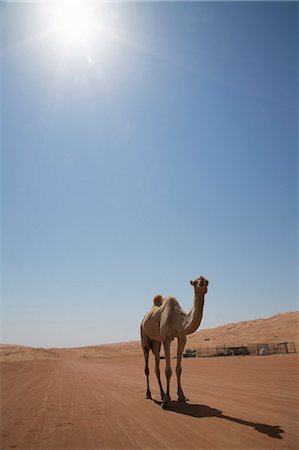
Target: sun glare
(74, 21)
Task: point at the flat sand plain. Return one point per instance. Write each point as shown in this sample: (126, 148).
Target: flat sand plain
(248, 402)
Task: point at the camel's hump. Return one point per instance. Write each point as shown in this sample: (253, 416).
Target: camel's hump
(158, 300)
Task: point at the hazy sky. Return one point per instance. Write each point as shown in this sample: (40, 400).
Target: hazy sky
(144, 146)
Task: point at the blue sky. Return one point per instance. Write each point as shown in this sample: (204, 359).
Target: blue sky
(163, 148)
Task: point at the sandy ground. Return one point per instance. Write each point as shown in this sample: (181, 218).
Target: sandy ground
(246, 402)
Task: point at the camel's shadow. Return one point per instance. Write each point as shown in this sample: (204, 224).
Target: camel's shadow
(201, 411)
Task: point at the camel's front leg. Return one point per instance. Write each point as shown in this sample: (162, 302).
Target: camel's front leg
(181, 346)
(168, 371)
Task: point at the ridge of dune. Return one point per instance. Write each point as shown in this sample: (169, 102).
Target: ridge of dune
(23, 353)
(283, 327)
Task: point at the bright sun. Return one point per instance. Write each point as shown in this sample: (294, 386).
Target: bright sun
(74, 21)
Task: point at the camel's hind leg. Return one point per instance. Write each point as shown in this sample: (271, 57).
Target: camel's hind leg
(146, 346)
(146, 371)
(156, 346)
(168, 372)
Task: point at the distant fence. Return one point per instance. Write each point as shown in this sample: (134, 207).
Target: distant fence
(242, 350)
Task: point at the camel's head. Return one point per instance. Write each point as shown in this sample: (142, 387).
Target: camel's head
(200, 285)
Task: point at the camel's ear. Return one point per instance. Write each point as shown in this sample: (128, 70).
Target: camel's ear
(192, 283)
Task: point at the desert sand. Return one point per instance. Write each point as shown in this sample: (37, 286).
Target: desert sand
(94, 398)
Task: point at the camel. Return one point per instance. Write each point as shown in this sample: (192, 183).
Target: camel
(165, 321)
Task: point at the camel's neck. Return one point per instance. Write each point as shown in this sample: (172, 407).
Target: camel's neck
(193, 318)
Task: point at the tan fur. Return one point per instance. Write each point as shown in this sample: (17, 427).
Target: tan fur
(165, 321)
(158, 300)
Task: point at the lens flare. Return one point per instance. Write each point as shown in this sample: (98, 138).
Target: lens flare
(74, 21)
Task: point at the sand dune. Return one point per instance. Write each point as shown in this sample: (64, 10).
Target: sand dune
(278, 328)
(22, 353)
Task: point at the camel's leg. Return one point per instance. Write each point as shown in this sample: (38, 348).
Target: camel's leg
(181, 345)
(168, 371)
(156, 351)
(146, 371)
